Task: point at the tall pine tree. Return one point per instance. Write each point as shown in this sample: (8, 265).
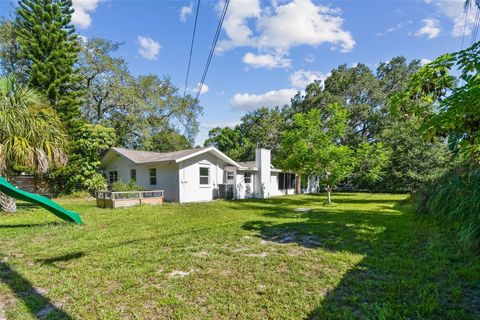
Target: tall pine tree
(50, 47)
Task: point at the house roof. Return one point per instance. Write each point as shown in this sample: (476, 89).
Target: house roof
(248, 165)
(143, 157)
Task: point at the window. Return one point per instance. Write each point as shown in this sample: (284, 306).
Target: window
(286, 181)
(230, 175)
(204, 176)
(153, 176)
(112, 176)
(133, 175)
(247, 177)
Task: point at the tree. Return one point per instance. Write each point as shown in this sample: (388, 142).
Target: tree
(414, 162)
(82, 173)
(50, 47)
(370, 162)
(167, 140)
(11, 62)
(31, 133)
(311, 146)
(261, 127)
(136, 108)
(456, 100)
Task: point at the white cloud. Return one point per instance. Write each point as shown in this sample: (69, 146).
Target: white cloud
(302, 78)
(454, 10)
(83, 8)
(394, 28)
(424, 61)
(268, 61)
(204, 89)
(283, 26)
(185, 11)
(149, 48)
(310, 58)
(431, 28)
(248, 102)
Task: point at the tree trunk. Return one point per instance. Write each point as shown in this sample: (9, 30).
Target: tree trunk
(298, 184)
(329, 192)
(7, 204)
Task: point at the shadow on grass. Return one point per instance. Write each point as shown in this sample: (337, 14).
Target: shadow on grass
(32, 225)
(411, 268)
(64, 258)
(38, 304)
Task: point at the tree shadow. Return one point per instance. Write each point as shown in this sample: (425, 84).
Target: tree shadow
(39, 306)
(410, 269)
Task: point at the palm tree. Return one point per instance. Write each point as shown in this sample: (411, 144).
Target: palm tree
(31, 134)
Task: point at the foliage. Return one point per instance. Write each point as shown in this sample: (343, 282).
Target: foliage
(82, 171)
(455, 199)
(458, 115)
(413, 162)
(166, 140)
(49, 46)
(261, 127)
(11, 62)
(31, 134)
(311, 146)
(138, 109)
(129, 186)
(370, 162)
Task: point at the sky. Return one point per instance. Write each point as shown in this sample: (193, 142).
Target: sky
(267, 50)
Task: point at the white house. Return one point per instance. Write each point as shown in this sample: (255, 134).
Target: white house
(199, 174)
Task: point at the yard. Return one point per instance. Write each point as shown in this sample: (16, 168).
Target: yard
(366, 256)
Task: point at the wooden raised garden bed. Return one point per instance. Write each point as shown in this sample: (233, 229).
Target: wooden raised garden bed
(117, 199)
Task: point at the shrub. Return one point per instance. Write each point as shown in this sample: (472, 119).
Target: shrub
(130, 186)
(455, 199)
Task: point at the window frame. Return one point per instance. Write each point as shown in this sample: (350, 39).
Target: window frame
(112, 176)
(200, 176)
(133, 177)
(154, 176)
(249, 177)
(233, 175)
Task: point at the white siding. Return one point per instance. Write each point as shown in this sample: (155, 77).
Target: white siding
(167, 179)
(189, 178)
(274, 185)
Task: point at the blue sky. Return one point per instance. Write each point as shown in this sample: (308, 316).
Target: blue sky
(267, 50)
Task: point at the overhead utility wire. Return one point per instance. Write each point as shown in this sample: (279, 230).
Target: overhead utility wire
(191, 48)
(212, 49)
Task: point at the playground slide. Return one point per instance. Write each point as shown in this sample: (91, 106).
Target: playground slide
(43, 202)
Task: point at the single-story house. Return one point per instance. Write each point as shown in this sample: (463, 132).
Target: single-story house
(199, 174)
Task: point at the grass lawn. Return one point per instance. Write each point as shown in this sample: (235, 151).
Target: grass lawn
(365, 257)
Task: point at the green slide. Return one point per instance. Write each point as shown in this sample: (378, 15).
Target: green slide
(11, 191)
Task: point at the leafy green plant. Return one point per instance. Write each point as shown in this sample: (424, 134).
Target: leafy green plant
(455, 198)
(129, 186)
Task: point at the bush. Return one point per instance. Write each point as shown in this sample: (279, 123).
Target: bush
(455, 199)
(130, 186)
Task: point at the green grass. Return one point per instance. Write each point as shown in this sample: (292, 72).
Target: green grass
(368, 256)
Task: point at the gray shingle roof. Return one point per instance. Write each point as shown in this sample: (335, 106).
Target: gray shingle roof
(139, 157)
(248, 164)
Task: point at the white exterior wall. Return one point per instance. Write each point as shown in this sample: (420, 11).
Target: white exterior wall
(167, 175)
(274, 191)
(167, 179)
(263, 179)
(189, 178)
(122, 166)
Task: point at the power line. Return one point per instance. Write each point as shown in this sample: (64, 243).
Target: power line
(191, 48)
(212, 49)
